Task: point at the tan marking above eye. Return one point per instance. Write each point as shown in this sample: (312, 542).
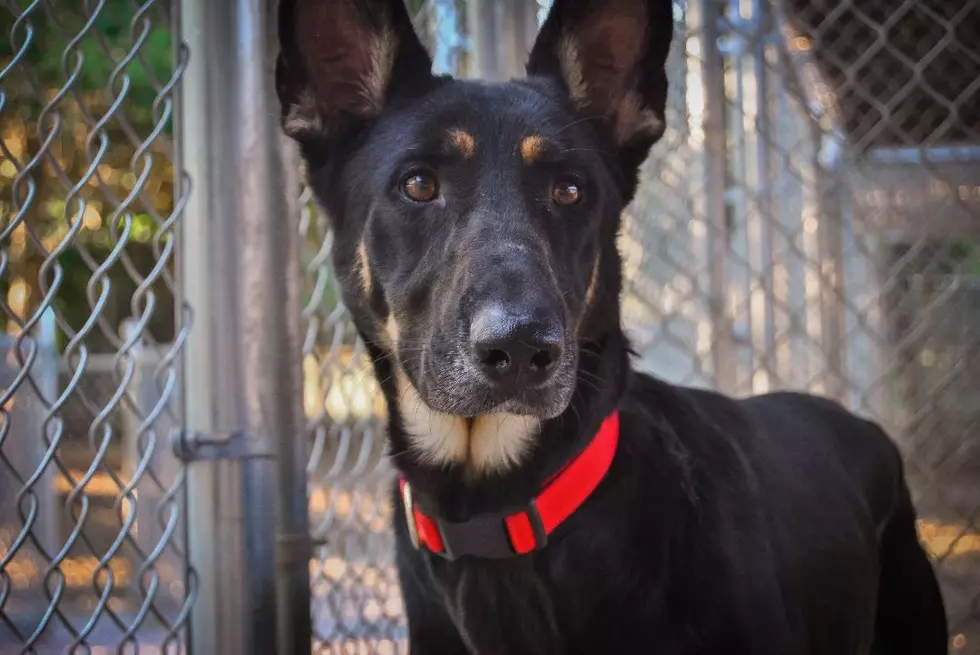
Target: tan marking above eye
(593, 283)
(461, 141)
(364, 268)
(566, 193)
(391, 333)
(531, 148)
(421, 186)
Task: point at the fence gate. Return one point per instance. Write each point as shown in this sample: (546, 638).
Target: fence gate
(150, 415)
(93, 539)
(191, 442)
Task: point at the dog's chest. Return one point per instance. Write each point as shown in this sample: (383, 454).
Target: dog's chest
(521, 606)
(501, 606)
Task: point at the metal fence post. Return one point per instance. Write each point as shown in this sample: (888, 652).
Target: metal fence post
(502, 32)
(241, 278)
(715, 186)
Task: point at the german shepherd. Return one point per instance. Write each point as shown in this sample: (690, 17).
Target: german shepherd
(551, 499)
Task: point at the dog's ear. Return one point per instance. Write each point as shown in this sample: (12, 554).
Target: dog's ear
(343, 60)
(610, 56)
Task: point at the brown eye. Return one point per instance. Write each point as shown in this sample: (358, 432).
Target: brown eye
(420, 187)
(566, 193)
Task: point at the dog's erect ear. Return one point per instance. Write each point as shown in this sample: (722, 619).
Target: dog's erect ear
(344, 59)
(610, 56)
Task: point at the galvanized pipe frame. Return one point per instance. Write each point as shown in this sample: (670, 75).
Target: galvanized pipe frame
(241, 276)
(501, 33)
(716, 176)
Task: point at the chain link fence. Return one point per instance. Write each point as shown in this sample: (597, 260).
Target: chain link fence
(92, 542)
(811, 220)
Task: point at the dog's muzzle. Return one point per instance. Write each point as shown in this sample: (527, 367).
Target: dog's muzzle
(516, 352)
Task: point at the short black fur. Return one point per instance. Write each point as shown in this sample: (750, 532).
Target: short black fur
(774, 525)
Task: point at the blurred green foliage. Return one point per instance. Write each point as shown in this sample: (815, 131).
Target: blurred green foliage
(113, 64)
(114, 31)
(117, 52)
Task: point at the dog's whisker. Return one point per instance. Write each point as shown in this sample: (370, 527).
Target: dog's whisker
(597, 150)
(578, 121)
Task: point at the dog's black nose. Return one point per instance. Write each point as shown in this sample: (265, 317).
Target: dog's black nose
(515, 351)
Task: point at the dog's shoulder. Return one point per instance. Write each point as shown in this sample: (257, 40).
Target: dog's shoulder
(810, 422)
(779, 439)
(841, 448)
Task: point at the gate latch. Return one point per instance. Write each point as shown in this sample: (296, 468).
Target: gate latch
(192, 445)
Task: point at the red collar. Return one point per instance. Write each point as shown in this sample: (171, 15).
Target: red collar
(518, 533)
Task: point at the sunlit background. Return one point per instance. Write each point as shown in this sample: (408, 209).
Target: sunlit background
(827, 239)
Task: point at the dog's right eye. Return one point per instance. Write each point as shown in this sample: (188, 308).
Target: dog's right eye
(420, 186)
(566, 192)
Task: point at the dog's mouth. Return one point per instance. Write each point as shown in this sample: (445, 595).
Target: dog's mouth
(452, 385)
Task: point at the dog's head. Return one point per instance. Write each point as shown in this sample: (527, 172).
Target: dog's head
(475, 223)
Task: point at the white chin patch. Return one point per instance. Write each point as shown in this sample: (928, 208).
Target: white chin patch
(490, 443)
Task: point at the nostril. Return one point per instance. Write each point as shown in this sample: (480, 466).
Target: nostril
(513, 351)
(496, 359)
(542, 360)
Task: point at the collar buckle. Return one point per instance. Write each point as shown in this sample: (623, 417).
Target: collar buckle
(489, 536)
(409, 504)
(537, 525)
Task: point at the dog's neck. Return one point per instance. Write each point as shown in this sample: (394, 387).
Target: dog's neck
(455, 494)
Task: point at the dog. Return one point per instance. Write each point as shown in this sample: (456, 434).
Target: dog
(552, 500)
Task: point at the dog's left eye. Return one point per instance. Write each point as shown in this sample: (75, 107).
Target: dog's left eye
(420, 186)
(566, 193)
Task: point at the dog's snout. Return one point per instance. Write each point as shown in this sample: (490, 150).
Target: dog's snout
(514, 351)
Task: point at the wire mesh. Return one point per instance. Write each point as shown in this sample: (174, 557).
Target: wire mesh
(92, 541)
(843, 254)
(827, 238)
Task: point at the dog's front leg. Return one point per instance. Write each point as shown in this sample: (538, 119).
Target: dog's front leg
(430, 629)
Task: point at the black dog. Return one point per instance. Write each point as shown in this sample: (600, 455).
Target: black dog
(559, 502)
